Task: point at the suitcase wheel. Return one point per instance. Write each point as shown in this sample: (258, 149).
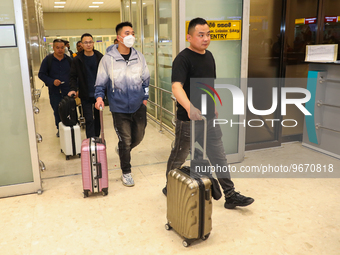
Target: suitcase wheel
(105, 192)
(79, 155)
(206, 237)
(67, 157)
(168, 227)
(186, 243)
(61, 150)
(86, 193)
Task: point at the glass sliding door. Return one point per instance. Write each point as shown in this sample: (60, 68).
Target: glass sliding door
(264, 62)
(301, 30)
(19, 167)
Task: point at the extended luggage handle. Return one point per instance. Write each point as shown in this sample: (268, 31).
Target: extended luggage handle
(192, 137)
(101, 124)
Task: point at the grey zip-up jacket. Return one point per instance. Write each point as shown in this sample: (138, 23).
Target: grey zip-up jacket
(126, 82)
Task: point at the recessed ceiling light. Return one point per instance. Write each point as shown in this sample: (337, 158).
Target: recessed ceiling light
(59, 2)
(97, 2)
(133, 2)
(93, 6)
(59, 6)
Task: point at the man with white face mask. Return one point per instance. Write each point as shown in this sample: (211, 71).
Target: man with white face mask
(124, 75)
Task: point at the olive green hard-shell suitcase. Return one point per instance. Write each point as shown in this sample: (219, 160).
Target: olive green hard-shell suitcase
(189, 205)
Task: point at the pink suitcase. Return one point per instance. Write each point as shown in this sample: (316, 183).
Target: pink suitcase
(94, 164)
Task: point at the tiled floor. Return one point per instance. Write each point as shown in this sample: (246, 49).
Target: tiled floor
(289, 216)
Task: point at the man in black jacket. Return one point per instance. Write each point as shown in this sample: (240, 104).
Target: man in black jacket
(55, 72)
(82, 78)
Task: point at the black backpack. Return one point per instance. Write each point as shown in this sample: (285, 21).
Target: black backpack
(67, 111)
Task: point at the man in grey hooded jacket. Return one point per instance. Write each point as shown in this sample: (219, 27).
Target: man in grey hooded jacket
(124, 75)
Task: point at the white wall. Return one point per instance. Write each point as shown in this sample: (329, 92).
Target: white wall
(75, 24)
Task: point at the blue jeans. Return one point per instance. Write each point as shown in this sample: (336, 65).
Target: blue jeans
(130, 129)
(92, 119)
(215, 149)
(54, 101)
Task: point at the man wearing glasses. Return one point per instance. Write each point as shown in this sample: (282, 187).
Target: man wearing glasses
(82, 78)
(55, 72)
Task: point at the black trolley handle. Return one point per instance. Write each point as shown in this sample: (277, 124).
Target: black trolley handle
(192, 138)
(101, 124)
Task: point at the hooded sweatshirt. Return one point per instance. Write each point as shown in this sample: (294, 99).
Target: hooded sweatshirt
(126, 82)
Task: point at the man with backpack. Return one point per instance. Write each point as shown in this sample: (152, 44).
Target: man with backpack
(55, 72)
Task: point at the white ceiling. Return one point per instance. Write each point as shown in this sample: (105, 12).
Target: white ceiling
(81, 6)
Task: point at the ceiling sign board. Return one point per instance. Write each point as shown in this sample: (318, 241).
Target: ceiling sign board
(7, 36)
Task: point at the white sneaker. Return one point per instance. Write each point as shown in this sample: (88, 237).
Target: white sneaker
(127, 180)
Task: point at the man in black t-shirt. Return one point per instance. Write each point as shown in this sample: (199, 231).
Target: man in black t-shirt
(83, 78)
(197, 62)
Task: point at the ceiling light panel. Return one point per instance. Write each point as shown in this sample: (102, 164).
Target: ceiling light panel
(81, 5)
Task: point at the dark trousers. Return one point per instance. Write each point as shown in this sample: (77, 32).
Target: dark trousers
(130, 129)
(215, 149)
(91, 115)
(54, 101)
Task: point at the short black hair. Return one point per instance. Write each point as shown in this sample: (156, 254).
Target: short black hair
(121, 25)
(116, 40)
(58, 41)
(86, 34)
(194, 22)
(78, 42)
(66, 42)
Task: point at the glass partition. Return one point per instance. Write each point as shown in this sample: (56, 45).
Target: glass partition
(136, 20)
(19, 169)
(149, 48)
(164, 57)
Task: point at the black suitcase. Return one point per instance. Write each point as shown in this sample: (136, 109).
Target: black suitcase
(67, 111)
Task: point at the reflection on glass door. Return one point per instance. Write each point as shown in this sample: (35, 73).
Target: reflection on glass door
(264, 62)
(301, 30)
(331, 19)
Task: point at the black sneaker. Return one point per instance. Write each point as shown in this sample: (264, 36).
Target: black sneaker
(165, 191)
(57, 134)
(236, 199)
